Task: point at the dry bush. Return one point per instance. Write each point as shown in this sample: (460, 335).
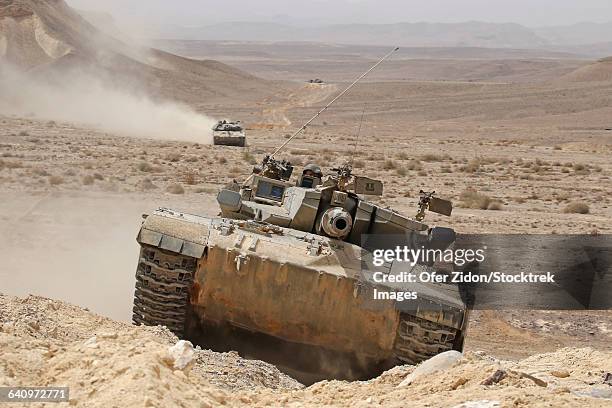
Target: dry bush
(173, 157)
(147, 184)
(55, 180)
(403, 156)
(446, 169)
(98, 176)
(88, 180)
(13, 164)
(222, 160)
(175, 188)
(145, 167)
(473, 166)
(1, 164)
(24, 133)
(414, 165)
(401, 171)
(389, 164)
(431, 157)
(577, 207)
(421, 173)
(470, 198)
(190, 178)
(40, 172)
(495, 206)
(235, 170)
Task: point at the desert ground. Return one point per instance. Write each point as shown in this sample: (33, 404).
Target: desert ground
(520, 142)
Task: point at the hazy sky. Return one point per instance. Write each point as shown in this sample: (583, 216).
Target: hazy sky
(193, 12)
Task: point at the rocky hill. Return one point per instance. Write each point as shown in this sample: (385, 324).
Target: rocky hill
(47, 36)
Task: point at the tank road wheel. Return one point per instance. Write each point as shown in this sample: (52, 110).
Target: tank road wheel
(163, 279)
(419, 339)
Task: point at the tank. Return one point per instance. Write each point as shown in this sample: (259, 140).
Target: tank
(227, 133)
(281, 275)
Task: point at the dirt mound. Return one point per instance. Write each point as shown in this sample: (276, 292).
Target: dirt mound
(106, 363)
(47, 35)
(49, 341)
(600, 71)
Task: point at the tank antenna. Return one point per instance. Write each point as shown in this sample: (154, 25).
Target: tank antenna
(300, 130)
(358, 134)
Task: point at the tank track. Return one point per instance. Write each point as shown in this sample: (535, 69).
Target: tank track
(419, 339)
(163, 279)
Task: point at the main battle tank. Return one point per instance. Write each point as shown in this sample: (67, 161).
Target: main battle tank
(227, 133)
(281, 276)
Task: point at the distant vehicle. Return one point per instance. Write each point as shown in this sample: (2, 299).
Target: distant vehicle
(227, 133)
(316, 81)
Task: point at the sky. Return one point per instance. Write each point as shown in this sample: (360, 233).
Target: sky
(531, 13)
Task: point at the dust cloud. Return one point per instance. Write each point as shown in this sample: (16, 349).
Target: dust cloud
(86, 99)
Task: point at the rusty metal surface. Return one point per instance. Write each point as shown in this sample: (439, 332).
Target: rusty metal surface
(288, 284)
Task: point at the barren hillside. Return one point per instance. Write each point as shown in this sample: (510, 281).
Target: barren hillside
(600, 71)
(49, 36)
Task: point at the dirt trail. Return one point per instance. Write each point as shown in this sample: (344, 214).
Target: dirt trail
(305, 96)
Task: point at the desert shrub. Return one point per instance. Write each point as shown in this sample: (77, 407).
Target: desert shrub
(470, 198)
(88, 180)
(55, 180)
(175, 188)
(414, 165)
(389, 165)
(472, 167)
(98, 176)
(40, 172)
(13, 164)
(576, 207)
(401, 171)
(190, 178)
(1, 164)
(446, 169)
(495, 206)
(403, 156)
(222, 160)
(147, 184)
(24, 133)
(173, 157)
(145, 167)
(421, 173)
(431, 157)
